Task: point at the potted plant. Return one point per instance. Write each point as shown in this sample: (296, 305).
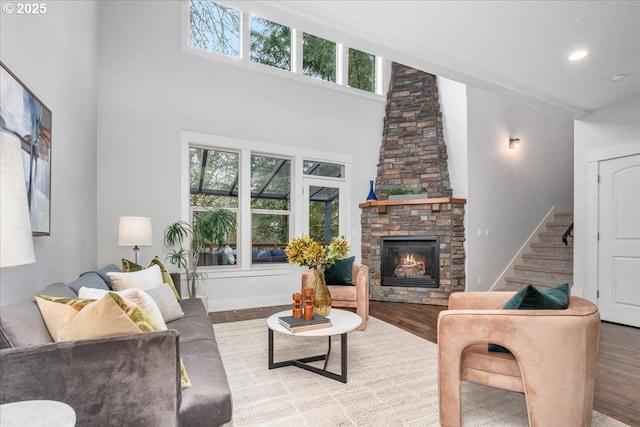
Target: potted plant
(401, 193)
(210, 228)
(175, 236)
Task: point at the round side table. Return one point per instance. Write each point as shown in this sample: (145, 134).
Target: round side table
(37, 413)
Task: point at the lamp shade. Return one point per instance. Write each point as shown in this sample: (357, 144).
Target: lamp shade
(135, 231)
(16, 241)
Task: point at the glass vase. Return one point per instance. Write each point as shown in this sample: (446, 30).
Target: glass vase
(321, 295)
(372, 194)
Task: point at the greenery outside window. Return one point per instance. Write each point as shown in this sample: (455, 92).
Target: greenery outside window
(214, 27)
(270, 43)
(362, 70)
(318, 58)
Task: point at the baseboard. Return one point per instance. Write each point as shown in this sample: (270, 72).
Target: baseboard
(244, 303)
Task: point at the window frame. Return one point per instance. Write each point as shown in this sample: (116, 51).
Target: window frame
(246, 148)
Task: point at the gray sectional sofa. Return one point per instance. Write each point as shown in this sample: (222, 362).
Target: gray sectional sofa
(120, 381)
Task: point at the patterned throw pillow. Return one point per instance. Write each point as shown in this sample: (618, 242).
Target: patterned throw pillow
(138, 296)
(130, 266)
(112, 315)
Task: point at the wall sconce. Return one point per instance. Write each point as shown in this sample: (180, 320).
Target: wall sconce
(135, 231)
(513, 143)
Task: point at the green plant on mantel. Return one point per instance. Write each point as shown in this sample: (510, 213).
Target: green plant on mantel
(397, 191)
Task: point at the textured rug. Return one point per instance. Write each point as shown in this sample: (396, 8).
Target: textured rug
(392, 381)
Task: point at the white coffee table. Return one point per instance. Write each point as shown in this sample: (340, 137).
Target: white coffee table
(37, 413)
(342, 322)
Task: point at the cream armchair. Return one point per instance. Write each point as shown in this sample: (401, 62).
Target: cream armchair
(347, 295)
(553, 360)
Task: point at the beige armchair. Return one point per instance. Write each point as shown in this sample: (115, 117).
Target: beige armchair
(553, 362)
(347, 295)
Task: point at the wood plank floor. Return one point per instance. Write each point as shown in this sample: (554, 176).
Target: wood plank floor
(618, 376)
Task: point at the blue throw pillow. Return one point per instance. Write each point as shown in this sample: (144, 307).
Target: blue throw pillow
(340, 272)
(531, 298)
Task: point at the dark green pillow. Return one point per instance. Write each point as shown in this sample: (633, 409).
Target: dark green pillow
(340, 272)
(531, 298)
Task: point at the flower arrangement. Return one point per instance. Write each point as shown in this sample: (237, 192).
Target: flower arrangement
(306, 251)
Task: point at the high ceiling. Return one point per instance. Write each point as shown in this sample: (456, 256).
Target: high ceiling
(517, 48)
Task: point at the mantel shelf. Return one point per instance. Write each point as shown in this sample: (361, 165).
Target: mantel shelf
(383, 204)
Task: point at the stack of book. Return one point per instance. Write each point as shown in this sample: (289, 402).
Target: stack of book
(301, 325)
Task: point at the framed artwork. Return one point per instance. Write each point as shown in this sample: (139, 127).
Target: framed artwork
(25, 116)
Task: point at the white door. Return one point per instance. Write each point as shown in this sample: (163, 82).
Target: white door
(619, 244)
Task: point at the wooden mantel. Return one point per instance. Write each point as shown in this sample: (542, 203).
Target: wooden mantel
(436, 202)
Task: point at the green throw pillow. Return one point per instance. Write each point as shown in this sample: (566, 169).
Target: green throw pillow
(340, 272)
(531, 298)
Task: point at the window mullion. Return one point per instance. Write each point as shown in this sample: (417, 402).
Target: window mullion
(342, 64)
(244, 207)
(245, 35)
(296, 51)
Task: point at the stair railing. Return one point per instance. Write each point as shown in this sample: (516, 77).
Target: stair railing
(567, 234)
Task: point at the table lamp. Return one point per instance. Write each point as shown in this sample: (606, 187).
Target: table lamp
(135, 231)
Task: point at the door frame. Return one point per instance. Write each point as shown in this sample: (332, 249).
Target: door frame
(594, 158)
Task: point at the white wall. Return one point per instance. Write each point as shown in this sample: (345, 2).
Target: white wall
(149, 90)
(54, 54)
(510, 191)
(453, 105)
(602, 134)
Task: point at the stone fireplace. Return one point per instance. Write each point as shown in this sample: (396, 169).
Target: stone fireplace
(413, 157)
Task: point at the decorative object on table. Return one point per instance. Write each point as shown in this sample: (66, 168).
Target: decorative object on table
(297, 305)
(372, 194)
(135, 231)
(16, 242)
(26, 117)
(309, 302)
(301, 325)
(210, 228)
(306, 251)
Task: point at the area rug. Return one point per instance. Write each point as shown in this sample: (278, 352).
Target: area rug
(392, 381)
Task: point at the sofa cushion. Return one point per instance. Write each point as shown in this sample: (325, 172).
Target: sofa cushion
(138, 296)
(102, 272)
(21, 323)
(166, 301)
(340, 273)
(90, 279)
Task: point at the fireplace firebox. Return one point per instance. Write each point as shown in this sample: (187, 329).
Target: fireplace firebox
(411, 261)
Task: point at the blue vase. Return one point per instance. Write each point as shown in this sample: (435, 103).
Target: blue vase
(372, 194)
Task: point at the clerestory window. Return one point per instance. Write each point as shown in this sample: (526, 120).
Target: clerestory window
(218, 29)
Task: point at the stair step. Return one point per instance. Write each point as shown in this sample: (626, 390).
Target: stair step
(544, 260)
(544, 274)
(555, 248)
(550, 237)
(541, 283)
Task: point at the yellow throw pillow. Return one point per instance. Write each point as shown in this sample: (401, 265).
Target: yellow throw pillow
(112, 315)
(138, 296)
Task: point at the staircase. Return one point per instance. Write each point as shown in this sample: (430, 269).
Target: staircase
(545, 260)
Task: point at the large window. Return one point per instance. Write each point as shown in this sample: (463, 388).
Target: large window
(258, 189)
(253, 39)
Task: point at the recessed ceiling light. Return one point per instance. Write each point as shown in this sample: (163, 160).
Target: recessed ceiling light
(618, 77)
(578, 55)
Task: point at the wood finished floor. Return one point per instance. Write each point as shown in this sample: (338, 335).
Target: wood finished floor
(618, 376)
